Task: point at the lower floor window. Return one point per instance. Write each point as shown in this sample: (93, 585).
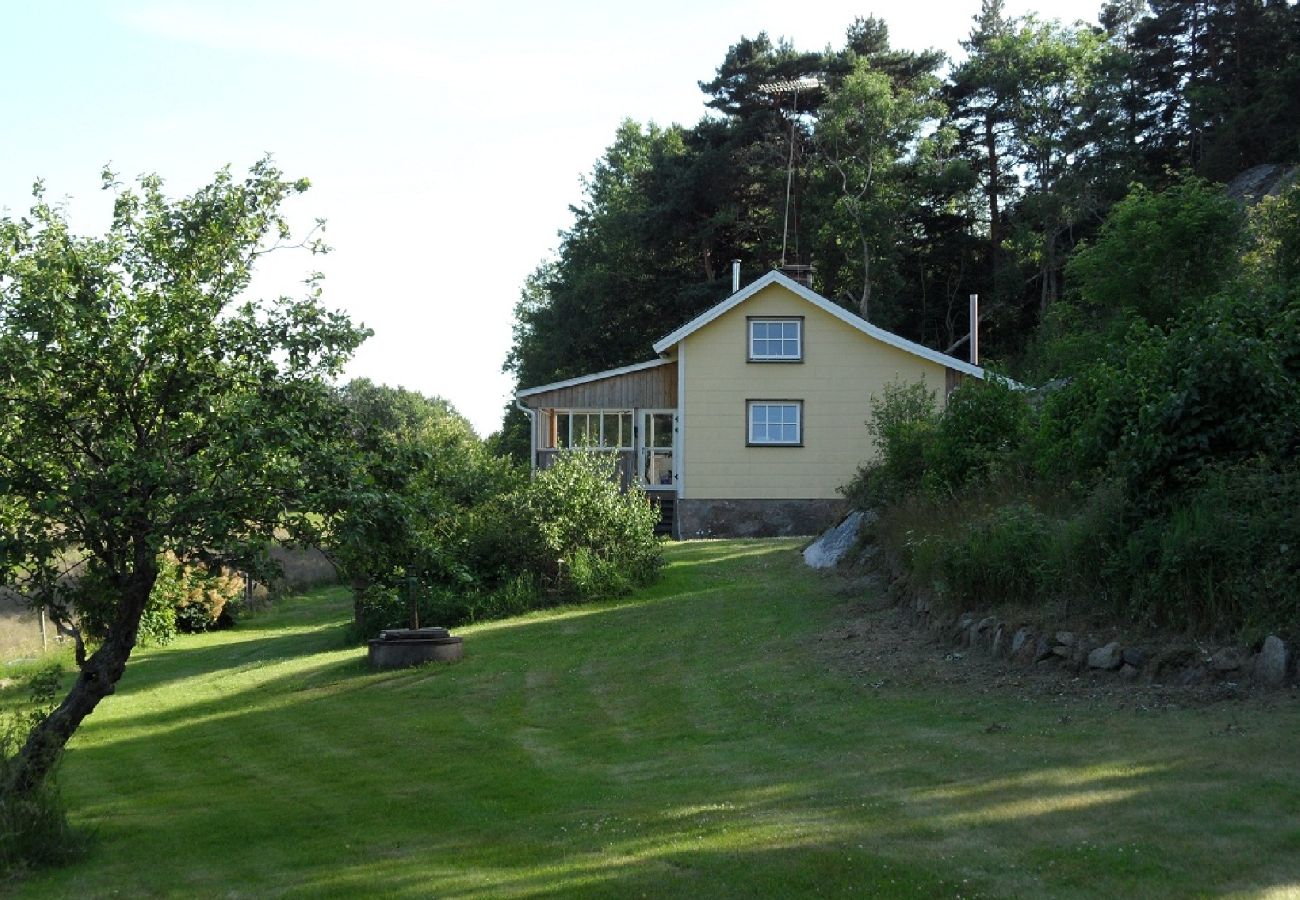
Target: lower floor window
(775, 422)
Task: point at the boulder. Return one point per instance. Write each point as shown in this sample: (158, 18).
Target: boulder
(827, 551)
(1128, 672)
(1107, 657)
(1270, 665)
(1022, 636)
(1065, 638)
(999, 645)
(1229, 659)
(1134, 657)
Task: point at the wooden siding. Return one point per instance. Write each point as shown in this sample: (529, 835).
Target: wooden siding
(952, 379)
(654, 388)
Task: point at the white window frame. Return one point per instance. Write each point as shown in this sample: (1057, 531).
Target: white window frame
(783, 321)
(600, 415)
(796, 405)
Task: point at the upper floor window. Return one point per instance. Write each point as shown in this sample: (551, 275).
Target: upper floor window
(775, 340)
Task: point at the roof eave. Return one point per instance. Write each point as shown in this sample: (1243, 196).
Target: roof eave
(816, 299)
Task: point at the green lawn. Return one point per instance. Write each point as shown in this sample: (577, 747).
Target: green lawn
(690, 741)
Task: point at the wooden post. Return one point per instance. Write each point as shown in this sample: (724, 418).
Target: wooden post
(974, 329)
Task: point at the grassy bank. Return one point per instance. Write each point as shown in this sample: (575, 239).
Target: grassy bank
(688, 741)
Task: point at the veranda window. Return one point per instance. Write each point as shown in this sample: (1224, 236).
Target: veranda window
(596, 429)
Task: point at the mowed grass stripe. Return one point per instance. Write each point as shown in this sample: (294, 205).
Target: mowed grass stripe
(686, 741)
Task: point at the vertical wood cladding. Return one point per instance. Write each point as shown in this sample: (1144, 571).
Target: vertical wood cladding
(654, 388)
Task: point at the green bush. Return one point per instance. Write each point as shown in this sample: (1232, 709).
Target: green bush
(567, 535)
(1224, 558)
(983, 424)
(1159, 253)
(184, 598)
(1005, 557)
(902, 428)
(34, 829)
(1158, 481)
(595, 538)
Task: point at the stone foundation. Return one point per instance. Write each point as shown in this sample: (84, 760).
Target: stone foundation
(755, 518)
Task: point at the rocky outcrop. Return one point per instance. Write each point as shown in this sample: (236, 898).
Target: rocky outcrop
(1261, 181)
(834, 544)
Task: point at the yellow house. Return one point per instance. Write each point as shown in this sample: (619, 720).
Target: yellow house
(751, 418)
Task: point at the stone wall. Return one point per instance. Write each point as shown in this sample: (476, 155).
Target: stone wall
(755, 518)
(1183, 664)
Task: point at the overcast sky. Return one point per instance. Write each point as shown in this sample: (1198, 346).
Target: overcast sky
(445, 141)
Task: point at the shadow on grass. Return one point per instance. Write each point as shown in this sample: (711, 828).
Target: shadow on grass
(676, 743)
(245, 646)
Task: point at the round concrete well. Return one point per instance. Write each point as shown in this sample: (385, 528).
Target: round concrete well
(398, 648)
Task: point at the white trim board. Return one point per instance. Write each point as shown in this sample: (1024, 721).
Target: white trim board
(595, 376)
(817, 300)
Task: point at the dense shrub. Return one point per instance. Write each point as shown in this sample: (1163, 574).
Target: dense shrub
(983, 424)
(1159, 252)
(34, 829)
(1224, 557)
(600, 539)
(1002, 558)
(184, 598)
(1157, 482)
(568, 535)
(902, 427)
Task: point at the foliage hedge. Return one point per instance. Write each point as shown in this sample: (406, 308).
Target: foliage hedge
(1157, 482)
(567, 535)
(185, 598)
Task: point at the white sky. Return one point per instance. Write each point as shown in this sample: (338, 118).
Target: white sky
(444, 141)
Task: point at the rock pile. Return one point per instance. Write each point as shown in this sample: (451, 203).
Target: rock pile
(1271, 665)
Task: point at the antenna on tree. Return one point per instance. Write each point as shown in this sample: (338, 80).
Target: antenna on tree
(779, 89)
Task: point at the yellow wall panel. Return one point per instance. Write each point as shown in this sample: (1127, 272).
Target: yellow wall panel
(842, 369)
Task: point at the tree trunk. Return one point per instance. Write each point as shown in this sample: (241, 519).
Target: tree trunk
(864, 304)
(98, 678)
(995, 227)
(1048, 294)
(359, 585)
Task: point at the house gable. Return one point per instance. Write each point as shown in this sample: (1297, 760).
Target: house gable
(807, 295)
(829, 392)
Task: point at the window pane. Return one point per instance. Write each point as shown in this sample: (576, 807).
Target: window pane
(790, 330)
(760, 414)
(789, 434)
(610, 436)
(562, 430)
(663, 429)
(790, 348)
(626, 423)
